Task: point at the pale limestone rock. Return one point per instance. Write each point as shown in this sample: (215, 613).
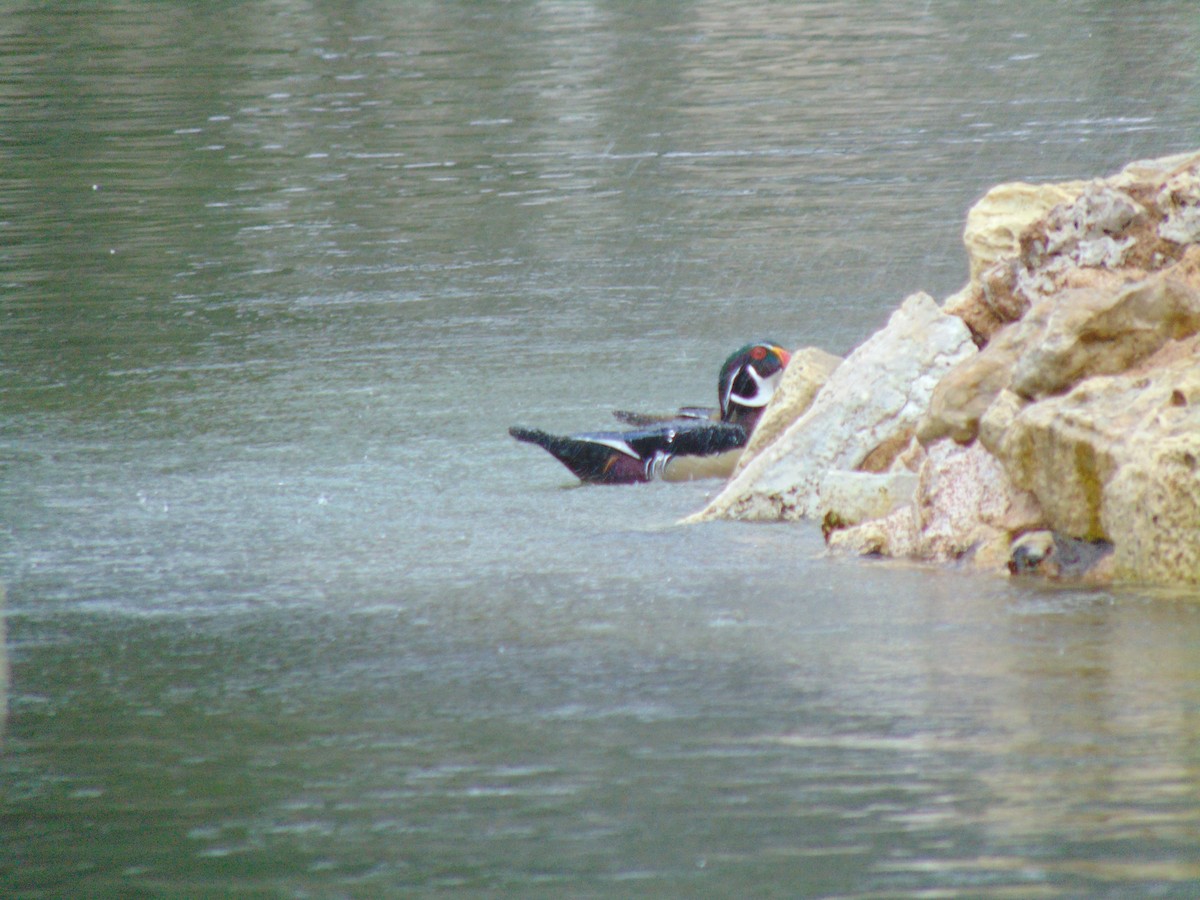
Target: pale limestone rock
(1028, 241)
(1172, 355)
(1088, 231)
(1081, 414)
(1086, 317)
(964, 505)
(1107, 228)
(995, 222)
(1063, 451)
(999, 416)
(804, 376)
(896, 536)
(968, 389)
(1179, 201)
(1090, 332)
(1069, 451)
(848, 498)
(1064, 338)
(969, 305)
(999, 284)
(1151, 506)
(910, 459)
(962, 397)
(1155, 172)
(966, 501)
(1091, 228)
(1151, 511)
(884, 456)
(880, 390)
(991, 301)
(992, 238)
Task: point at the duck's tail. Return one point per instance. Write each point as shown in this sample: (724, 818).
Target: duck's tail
(587, 460)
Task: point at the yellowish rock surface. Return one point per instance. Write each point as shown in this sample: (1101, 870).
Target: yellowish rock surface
(996, 221)
(1080, 414)
(880, 390)
(805, 375)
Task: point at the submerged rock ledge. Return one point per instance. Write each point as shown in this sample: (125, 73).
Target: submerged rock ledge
(1044, 419)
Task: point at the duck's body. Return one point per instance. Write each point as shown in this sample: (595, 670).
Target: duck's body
(628, 457)
(694, 443)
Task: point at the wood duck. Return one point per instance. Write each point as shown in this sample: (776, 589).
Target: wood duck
(695, 442)
(748, 381)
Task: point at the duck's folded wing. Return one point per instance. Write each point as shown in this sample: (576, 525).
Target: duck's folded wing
(684, 414)
(692, 438)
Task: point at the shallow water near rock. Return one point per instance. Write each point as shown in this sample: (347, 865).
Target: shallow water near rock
(288, 613)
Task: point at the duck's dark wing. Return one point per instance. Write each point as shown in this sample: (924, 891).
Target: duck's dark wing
(626, 457)
(685, 438)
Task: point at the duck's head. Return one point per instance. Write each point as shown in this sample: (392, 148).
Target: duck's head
(748, 380)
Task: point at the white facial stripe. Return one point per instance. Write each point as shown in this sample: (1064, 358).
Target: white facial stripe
(763, 389)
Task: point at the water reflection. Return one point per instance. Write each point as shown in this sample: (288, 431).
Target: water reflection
(289, 615)
(1108, 712)
(891, 743)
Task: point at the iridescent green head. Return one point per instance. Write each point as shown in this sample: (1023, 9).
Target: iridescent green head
(749, 378)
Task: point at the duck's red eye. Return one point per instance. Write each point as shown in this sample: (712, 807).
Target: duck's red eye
(758, 353)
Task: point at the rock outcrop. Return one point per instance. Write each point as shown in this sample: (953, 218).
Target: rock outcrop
(875, 397)
(803, 379)
(964, 505)
(1075, 425)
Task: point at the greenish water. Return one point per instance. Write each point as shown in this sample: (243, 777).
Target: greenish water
(289, 615)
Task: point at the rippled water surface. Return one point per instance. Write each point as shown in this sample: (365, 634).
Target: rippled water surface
(288, 614)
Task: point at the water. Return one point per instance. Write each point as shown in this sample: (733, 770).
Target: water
(289, 615)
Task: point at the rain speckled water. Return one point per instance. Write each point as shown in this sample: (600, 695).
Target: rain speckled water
(288, 613)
